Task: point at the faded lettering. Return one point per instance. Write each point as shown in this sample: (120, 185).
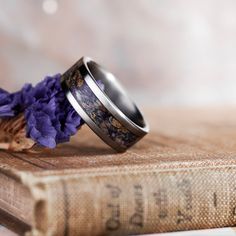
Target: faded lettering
(137, 218)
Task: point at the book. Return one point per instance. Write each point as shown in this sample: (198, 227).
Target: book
(6, 232)
(182, 176)
(207, 232)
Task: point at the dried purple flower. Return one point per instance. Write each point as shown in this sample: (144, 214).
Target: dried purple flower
(49, 117)
(12, 104)
(39, 125)
(6, 104)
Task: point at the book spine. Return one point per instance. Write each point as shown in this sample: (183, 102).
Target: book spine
(137, 201)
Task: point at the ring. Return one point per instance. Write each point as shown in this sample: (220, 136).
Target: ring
(103, 104)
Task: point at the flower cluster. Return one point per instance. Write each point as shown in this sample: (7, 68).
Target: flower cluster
(50, 119)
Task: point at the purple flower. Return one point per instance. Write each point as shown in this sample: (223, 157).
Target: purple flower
(40, 127)
(6, 104)
(50, 119)
(11, 104)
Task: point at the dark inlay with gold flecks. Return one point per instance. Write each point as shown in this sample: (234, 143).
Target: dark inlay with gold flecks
(108, 124)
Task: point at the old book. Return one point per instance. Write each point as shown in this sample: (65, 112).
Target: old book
(6, 232)
(180, 177)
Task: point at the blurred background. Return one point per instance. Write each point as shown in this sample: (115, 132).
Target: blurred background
(166, 52)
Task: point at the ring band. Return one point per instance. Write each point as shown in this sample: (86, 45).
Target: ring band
(108, 111)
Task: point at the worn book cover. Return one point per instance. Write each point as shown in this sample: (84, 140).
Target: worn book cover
(182, 176)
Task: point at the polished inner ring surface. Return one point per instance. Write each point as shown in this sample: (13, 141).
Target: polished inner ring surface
(116, 93)
(107, 109)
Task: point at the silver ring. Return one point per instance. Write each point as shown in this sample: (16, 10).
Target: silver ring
(103, 104)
